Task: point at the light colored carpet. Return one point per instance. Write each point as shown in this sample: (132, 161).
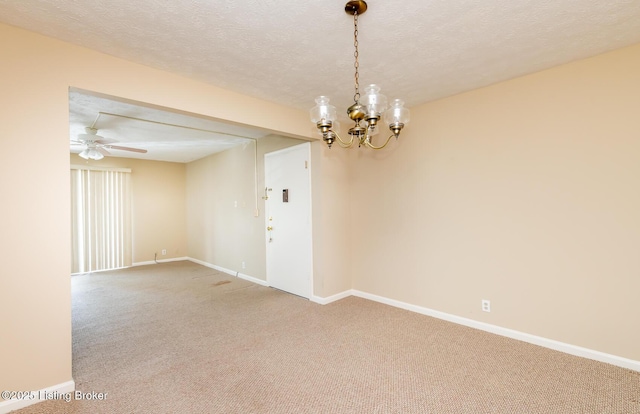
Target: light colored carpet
(183, 338)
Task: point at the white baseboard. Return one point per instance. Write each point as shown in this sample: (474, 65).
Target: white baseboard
(230, 272)
(150, 262)
(101, 270)
(332, 298)
(487, 327)
(60, 391)
(509, 333)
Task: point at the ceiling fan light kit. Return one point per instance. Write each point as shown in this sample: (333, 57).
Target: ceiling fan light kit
(96, 146)
(91, 154)
(366, 114)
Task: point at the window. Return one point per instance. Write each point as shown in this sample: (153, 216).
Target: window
(100, 219)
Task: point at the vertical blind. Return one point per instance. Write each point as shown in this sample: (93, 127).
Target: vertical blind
(100, 219)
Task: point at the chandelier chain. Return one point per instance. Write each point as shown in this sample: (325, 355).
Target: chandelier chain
(356, 65)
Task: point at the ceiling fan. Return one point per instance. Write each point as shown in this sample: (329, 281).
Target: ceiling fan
(96, 146)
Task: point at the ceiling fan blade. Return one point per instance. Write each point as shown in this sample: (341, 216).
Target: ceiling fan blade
(103, 151)
(116, 147)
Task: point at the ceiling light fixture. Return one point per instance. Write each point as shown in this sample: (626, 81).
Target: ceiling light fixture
(367, 113)
(91, 154)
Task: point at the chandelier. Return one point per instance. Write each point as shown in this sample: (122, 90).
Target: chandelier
(366, 114)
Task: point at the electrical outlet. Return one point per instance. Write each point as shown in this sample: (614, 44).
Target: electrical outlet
(164, 252)
(244, 265)
(486, 305)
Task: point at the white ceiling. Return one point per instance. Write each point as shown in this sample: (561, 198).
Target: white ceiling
(289, 53)
(167, 135)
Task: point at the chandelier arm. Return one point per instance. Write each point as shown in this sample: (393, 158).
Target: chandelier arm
(368, 143)
(342, 143)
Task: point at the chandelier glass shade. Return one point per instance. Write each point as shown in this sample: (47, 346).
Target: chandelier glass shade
(366, 111)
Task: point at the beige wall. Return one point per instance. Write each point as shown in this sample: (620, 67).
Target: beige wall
(36, 74)
(223, 229)
(225, 217)
(331, 213)
(158, 203)
(221, 198)
(524, 193)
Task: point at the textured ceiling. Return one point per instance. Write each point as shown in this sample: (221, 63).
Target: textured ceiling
(285, 52)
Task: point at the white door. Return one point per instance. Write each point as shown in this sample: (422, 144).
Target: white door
(288, 219)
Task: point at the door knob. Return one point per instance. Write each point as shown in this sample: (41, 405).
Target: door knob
(269, 228)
